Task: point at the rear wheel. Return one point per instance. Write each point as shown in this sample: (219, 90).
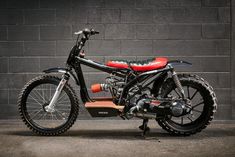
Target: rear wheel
(203, 105)
(36, 95)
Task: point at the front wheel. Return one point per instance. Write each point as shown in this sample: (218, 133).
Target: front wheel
(34, 98)
(203, 105)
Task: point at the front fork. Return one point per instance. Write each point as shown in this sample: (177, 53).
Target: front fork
(51, 106)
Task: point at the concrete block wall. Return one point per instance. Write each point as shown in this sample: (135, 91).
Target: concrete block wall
(233, 58)
(38, 34)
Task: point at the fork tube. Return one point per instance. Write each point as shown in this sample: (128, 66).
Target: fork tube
(50, 107)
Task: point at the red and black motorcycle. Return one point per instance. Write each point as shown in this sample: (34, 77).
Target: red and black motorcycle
(182, 104)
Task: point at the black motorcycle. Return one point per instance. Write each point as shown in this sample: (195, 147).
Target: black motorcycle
(182, 104)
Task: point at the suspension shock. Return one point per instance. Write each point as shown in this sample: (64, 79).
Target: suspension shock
(177, 83)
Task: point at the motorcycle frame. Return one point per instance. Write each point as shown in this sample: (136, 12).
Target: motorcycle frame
(76, 59)
(74, 62)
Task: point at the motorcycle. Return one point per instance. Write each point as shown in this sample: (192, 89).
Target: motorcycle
(182, 104)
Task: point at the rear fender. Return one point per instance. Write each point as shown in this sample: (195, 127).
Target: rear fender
(179, 63)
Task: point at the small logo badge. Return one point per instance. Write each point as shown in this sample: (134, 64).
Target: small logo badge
(103, 112)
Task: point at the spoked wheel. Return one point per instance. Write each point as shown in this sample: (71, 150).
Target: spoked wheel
(34, 99)
(197, 104)
(203, 105)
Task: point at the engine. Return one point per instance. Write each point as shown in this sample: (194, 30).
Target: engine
(112, 84)
(141, 103)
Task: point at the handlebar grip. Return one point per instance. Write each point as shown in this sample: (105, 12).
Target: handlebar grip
(93, 32)
(87, 31)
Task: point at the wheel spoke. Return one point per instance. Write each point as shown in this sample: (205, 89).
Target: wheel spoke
(50, 94)
(61, 98)
(60, 114)
(41, 96)
(190, 119)
(51, 116)
(64, 109)
(45, 95)
(188, 92)
(32, 102)
(194, 94)
(55, 116)
(33, 105)
(35, 100)
(65, 100)
(36, 114)
(196, 110)
(42, 116)
(42, 91)
(64, 103)
(177, 93)
(36, 95)
(198, 104)
(33, 110)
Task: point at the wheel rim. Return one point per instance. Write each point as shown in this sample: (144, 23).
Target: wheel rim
(194, 94)
(38, 98)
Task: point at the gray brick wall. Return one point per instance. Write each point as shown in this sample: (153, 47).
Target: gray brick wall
(233, 59)
(38, 34)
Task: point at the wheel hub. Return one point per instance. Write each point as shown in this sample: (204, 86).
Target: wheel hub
(180, 108)
(46, 108)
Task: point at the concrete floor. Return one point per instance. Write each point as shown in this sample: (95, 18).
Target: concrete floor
(111, 138)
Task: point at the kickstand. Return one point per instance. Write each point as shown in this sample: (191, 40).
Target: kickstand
(144, 127)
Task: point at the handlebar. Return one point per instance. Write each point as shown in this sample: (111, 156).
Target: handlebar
(87, 32)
